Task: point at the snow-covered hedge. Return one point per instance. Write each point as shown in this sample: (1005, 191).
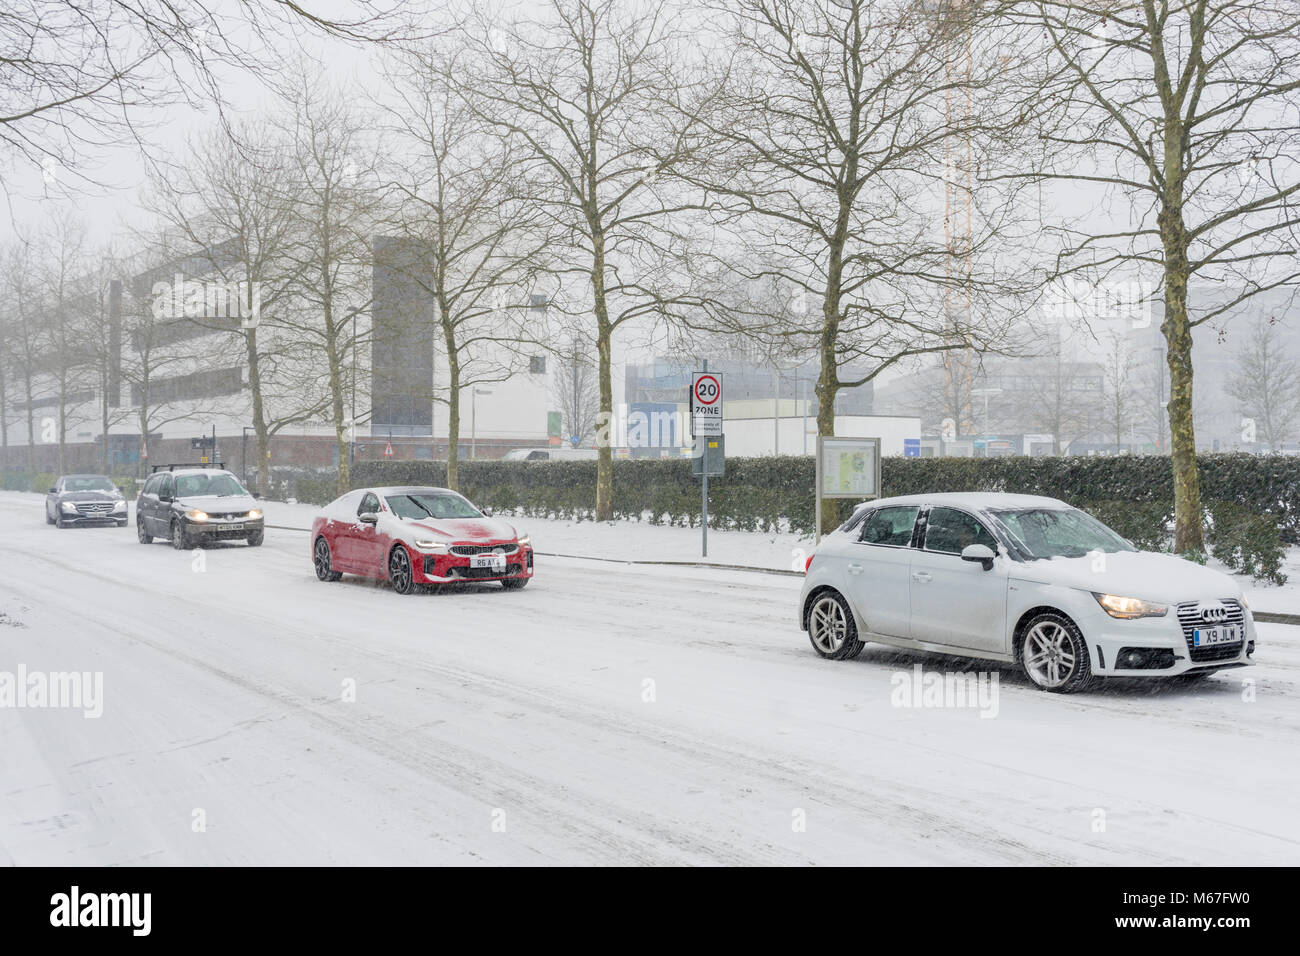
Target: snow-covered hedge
(1133, 493)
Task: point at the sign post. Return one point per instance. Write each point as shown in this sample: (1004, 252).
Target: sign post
(846, 468)
(706, 424)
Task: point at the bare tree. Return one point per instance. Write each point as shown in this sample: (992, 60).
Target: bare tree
(1266, 385)
(24, 333)
(1120, 378)
(598, 93)
(76, 77)
(332, 204)
(840, 141)
(575, 388)
(232, 212)
(464, 209)
(65, 304)
(1186, 111)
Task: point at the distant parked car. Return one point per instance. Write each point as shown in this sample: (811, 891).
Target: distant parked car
(1024, 580)
(417, 537)
(191, 505)
(85, 500)
(553, 453)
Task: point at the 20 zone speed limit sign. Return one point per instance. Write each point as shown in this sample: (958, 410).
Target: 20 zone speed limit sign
(706, 403)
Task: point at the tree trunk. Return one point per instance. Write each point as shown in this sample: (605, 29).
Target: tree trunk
(1178, 339)
(259, 414)
(31, 426)
(604, 333)
(453, 397)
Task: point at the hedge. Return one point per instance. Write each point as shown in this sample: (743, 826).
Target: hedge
(1133, 494)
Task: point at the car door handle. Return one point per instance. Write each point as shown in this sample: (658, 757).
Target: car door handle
(855, 569)
(923, 576)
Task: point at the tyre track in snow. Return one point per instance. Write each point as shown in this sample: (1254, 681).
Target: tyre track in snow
(759, 605)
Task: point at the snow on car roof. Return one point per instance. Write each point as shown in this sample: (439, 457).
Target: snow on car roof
(975, 500)
(411, 489)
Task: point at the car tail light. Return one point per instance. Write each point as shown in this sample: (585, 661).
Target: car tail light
(808, 564)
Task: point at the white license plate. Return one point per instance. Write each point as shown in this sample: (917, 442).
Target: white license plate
(1227, 634)
(233, 527)
(497, 561)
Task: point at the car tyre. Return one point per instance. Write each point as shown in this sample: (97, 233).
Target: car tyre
(514, 584)
(1054, 656)
(831, 628)
(48, 519)
(322, 560)
(400, 574)
(144, 536)
(180, 540)
(255, 539)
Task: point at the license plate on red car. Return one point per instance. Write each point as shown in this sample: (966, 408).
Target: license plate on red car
(497, 561)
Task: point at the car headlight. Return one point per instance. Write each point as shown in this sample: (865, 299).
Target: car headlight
(254, 515)
(197, 516)
(526, 541)
(1128, 608)
(69, 507)
(119, 505)
(437, 547)
(1244, 602)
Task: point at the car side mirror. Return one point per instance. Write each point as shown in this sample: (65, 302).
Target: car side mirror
(979, 552)
(164, 497)
(487, 512)
(257, 495)
(368, 517)
(54, 491)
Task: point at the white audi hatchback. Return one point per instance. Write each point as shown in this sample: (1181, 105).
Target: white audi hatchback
(1024, 580)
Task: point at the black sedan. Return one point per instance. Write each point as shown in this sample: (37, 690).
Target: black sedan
(85, 499)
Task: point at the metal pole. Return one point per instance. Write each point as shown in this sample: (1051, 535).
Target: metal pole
(817, 500)
(473, 422)
(704, 489)
(776, 410)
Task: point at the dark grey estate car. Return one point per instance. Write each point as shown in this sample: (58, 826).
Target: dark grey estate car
(85, 499)
(191, 505)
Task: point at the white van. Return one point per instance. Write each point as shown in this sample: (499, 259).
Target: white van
(553, 453)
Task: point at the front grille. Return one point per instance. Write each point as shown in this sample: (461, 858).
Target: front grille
(468, 550)
(228, 514)
(95, 508)
(510, 571)
(1189, 619)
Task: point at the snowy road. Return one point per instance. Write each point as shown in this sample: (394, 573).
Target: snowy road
(605, 714)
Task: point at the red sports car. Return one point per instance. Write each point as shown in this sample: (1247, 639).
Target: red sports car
(417, 537)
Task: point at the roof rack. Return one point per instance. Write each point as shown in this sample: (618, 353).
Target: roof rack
(221, 465)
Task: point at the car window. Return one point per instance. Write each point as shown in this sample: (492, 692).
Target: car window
(538, 455)
(218, 485)
(165, 486)
(855, 520)
(369, 504)
(891, 526)
(950, 531)
(90, 483)
(440, 506)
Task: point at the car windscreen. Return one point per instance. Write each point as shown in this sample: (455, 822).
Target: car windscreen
(1058, 532)
(88, 484)
(197, 486)
(431, 505)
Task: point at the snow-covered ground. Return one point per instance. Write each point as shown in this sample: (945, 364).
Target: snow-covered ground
(608, 713)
